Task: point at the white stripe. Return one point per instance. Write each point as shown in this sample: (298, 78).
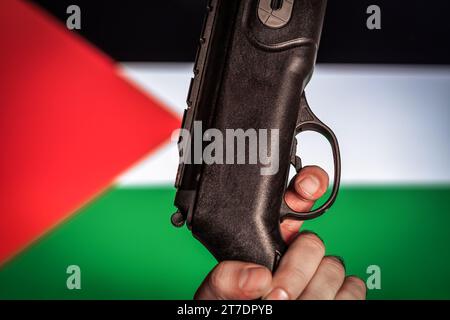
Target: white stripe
(168, 82)
(392, 122)
(158, 169)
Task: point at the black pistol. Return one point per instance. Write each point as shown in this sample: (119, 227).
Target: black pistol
(254, 60)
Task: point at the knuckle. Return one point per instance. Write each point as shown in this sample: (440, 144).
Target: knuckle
(218, 277)
(334, 267)
(298, 274)
(293, 281)
(312, 295)
(356, 287)
(314, 242)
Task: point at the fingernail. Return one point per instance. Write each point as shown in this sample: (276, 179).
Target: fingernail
(249, 279)
(277, 294)
(309, 185)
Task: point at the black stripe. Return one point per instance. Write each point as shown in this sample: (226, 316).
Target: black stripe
(413, 31)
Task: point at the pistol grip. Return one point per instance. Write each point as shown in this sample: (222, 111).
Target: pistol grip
(257, 240)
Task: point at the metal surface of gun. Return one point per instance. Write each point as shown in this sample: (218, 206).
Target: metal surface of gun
(254, 60)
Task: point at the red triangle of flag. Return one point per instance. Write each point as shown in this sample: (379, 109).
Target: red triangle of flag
(68, 125)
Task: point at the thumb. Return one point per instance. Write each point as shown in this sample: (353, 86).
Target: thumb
(235, 280)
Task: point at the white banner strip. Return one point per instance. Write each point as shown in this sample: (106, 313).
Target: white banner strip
(392, 122)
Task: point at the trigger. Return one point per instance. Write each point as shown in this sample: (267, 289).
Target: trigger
(295, 160)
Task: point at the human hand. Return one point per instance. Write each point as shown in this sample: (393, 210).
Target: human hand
(304, 271)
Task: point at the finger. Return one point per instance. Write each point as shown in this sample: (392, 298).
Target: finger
(352, 289)
(235, 280)
(327, 280)
(290, 229)
(308, 186)
(297, 267)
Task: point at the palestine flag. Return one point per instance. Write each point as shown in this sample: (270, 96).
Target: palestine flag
(87, 162)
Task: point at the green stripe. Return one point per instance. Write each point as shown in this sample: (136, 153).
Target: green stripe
(126, 247)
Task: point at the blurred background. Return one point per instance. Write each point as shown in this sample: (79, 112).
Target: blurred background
(88, 165)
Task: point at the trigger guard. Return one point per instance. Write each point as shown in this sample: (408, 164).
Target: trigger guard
(309, 122)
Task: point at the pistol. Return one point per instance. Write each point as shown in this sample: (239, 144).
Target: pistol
(254, 60)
